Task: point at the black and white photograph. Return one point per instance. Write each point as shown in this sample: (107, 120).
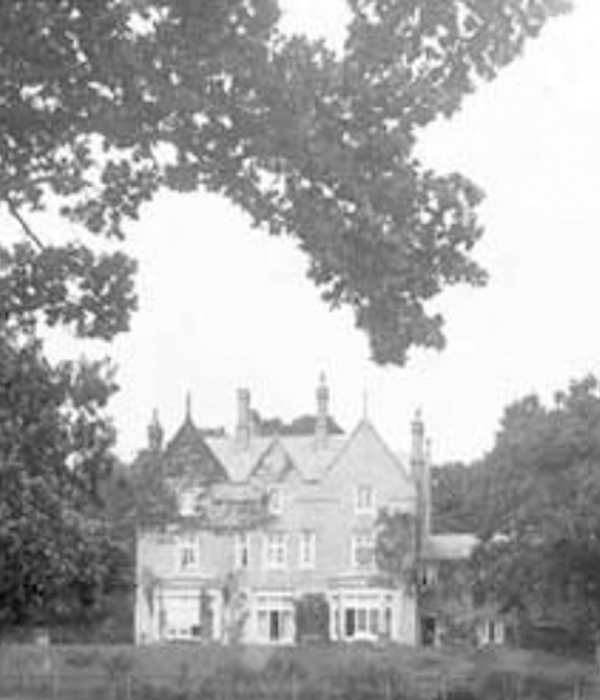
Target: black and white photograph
(299, 362)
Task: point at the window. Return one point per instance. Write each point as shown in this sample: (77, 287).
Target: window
(308, 541)
(365, 499)
(492, 632)
(189, 553)
(242, 550)
(363, 551)
(429, 574)
(188, 502)
(275, 500)
(276, 551)
(187, 616)
(180, 617)
(364, 616)
(275, 618)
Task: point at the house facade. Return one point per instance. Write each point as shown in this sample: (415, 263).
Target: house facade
(268, 520)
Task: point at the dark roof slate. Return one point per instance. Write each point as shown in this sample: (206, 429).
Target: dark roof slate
(188, 456)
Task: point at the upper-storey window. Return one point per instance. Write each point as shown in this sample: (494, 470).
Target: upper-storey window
(276, 500)
(363, 551)
(188, 502)
(276, 550)
(242, 550)
(188, 553)
(307, 549)
(364, 499)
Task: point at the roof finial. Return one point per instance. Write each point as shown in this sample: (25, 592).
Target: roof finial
(155, 432)
(188, 406)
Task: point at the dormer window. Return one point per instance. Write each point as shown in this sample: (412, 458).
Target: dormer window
(275, 500)
(364, 499)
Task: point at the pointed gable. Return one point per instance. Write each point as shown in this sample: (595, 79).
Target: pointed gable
(274, 464)
(366, 459)
(188, 457)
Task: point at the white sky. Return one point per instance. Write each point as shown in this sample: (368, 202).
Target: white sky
(223, 305)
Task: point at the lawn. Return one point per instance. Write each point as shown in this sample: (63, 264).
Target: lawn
(181, 671)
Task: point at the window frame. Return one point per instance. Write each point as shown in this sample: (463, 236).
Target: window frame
(275, 504)
(356, 545)
(189, 545)
(365, 506)
(307, 545)
(279, 562)
(241, 550)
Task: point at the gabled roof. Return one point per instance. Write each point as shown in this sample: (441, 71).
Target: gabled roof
(308, 458)
(189, 456)
(365, 427)
(274, 464)
(202, 459)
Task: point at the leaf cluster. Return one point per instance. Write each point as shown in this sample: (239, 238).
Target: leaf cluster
(542, 552)
(106, 103)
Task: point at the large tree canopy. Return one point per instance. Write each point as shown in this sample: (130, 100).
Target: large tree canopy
(106, 102)
(541, 548)
(57, 558)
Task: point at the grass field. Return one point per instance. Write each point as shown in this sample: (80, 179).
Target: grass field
(184, 671)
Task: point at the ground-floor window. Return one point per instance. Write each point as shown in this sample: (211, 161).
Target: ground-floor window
(275, 618)
(491, 632)
(361, 616)
(188, 615)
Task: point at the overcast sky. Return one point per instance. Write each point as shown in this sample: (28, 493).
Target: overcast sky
(223, 305)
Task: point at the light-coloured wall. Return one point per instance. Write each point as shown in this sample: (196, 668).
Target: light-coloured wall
(327, 507)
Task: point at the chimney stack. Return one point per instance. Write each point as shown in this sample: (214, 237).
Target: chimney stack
(322, 422)
(244, 419)
(420, 468)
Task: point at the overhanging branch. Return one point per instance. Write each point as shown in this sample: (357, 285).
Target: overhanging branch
(26, 228)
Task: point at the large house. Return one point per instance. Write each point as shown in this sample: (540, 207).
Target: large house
(267, 520)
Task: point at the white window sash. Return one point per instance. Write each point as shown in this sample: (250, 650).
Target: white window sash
(360, 542)
(364, 499)
(276, 551)
(307, 549)
(241, 550)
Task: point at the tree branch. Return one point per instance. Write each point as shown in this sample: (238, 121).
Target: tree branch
(27, 230)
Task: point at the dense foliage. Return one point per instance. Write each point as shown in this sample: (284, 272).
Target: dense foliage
(57, 557)
(106, 102)
(459, 497)
(397, 546)
(541, 553)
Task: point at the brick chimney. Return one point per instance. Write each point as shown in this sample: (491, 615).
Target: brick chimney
(322, 422)
(243, 431)
(420, 469)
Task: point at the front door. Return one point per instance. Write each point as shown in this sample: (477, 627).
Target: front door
(274, 625)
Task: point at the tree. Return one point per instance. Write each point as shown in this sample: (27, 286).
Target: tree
(57, 559)
(458, 497)
(541, 553)
(105, 103)
(397, 547)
